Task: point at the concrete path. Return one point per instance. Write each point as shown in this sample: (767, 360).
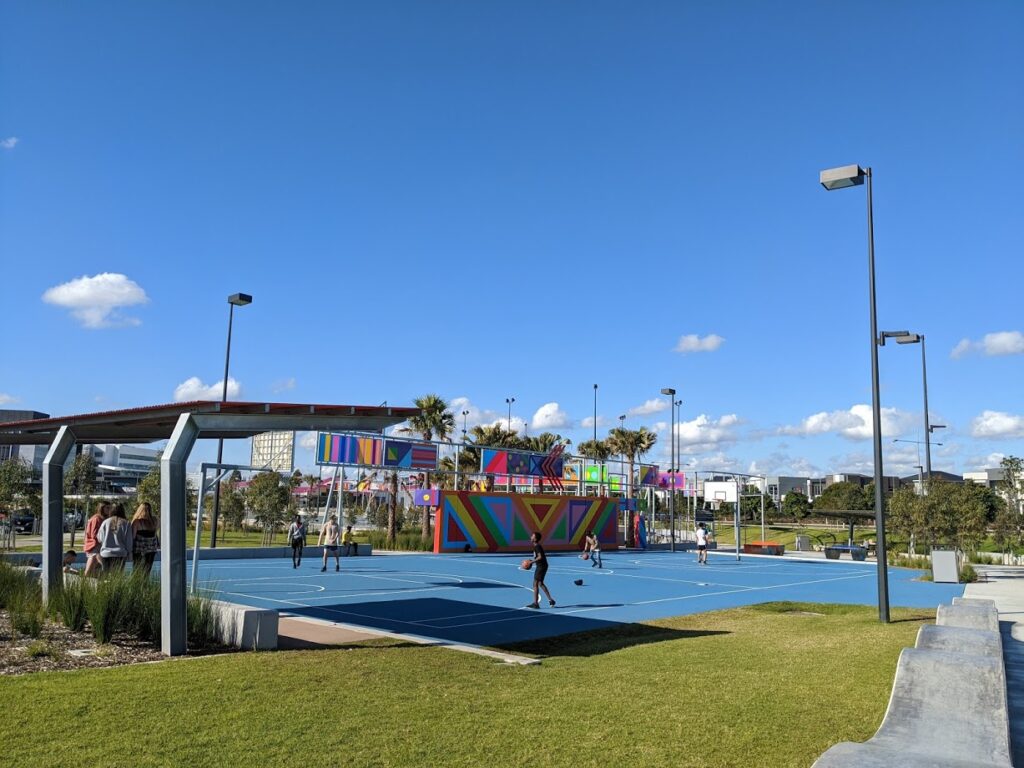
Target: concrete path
(1005, 585)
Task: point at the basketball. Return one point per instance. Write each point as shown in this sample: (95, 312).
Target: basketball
(585, 555)
(526, 564)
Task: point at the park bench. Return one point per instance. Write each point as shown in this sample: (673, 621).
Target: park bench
(833, 551)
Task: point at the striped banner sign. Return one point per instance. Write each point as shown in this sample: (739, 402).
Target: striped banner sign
(348, 449)
(406, 455)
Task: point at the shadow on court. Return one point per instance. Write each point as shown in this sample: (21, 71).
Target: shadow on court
(463, 622)
(595, 643)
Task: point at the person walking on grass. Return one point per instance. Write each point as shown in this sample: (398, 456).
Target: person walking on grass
(540, 570)
(702, 544)
(593, 546)
(297, 538)
(329, 535)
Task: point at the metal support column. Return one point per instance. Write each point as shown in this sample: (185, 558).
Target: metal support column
(173, 500)
(53, 509)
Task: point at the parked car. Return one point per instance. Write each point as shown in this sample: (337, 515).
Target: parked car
(23, 523)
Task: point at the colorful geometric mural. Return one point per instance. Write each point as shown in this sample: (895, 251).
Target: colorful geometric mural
(400, 453)
(347, 449)
(498, 462)
(648, 474)
(500, 522)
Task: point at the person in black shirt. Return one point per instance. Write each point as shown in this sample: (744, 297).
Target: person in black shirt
(540, 570)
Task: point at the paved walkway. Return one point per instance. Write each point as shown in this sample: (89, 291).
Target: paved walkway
(1005, 585)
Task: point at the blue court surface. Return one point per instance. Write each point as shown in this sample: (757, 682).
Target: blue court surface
(479, 599)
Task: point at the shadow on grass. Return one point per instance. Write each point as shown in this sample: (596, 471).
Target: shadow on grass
(596, 642)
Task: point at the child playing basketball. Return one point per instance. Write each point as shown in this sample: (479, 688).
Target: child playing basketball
(702, 544)
(540, 570)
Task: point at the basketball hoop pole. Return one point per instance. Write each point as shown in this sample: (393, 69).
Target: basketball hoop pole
(736, 516)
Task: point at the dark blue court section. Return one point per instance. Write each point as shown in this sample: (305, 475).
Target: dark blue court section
(479, 599)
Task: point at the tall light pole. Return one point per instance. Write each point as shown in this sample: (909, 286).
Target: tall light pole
(675, 445)
(465, 420)
(509, 401)
(234, 300)
(905, 337)
(672, 472)
(840, 178)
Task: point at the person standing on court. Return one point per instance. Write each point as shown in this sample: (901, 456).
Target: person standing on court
(594, 548)
(702, 544)
(329, 536)
(297, 538)
(348, 540)
(540, 570)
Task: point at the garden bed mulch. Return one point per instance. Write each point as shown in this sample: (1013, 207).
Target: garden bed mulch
(21, 655)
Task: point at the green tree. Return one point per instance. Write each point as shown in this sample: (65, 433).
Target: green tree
(842, 497)
(149, 489)
(80, 481)
(434, 420)
(905, 516)
(1009, 520)
(631, 443)
(796, 505)
(15, 474)
(268, 498)
(750, 506)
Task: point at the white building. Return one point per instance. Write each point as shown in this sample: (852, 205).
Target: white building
(121, 467)
(987, 477)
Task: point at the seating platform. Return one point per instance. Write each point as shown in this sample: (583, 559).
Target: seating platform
(949, 700)
(833, 551)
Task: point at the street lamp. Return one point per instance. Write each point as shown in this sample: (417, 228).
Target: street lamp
(234, 300)
(465, 419)
(672, 472)
(840, 178)
(509, 401)
(904, 337)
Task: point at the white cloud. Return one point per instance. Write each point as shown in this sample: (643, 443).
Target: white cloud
(854, 424)
(5, 398)
(283, 385)
(307, 440)
(194, 389)
(703, 434)
(997, 424)
(588, 422)
(694, 343)
(657, 405)
(9, 143)
(94, 301)
(991, 461)
(992, 344)
(476, 415)
(550, 416)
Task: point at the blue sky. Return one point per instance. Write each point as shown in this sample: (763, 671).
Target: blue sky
(488, 200)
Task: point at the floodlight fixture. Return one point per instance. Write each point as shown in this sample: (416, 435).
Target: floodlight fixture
(840, 178)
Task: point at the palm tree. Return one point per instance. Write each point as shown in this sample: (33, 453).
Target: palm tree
(544, 442)
(435, 420)
(631, 443)
(599, 451)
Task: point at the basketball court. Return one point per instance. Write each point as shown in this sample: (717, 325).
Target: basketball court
(479, 599)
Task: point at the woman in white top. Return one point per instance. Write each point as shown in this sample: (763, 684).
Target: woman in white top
(115, 539)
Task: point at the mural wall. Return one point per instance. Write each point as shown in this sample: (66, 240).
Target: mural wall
(500, 522)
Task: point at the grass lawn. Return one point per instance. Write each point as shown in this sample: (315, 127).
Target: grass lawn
(765, 685)
(725, 534)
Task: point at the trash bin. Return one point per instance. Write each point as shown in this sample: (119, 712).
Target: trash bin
(803, 543)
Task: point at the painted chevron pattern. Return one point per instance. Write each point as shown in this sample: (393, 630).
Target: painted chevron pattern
(501, 522)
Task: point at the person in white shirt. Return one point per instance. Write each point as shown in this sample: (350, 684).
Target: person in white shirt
(329, 536)
(702, 544)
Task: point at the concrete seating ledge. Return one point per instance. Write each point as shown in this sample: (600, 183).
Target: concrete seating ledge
(949, 703)
(205, 553)
(245, 627)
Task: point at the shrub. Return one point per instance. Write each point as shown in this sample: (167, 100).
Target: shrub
(28, 614)
(405, 541)
(69, 603)
(203, 623)
(967, 573)
(142, 607)
(39, 649)
(105, 605)
(920, 562)
(13, 582)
